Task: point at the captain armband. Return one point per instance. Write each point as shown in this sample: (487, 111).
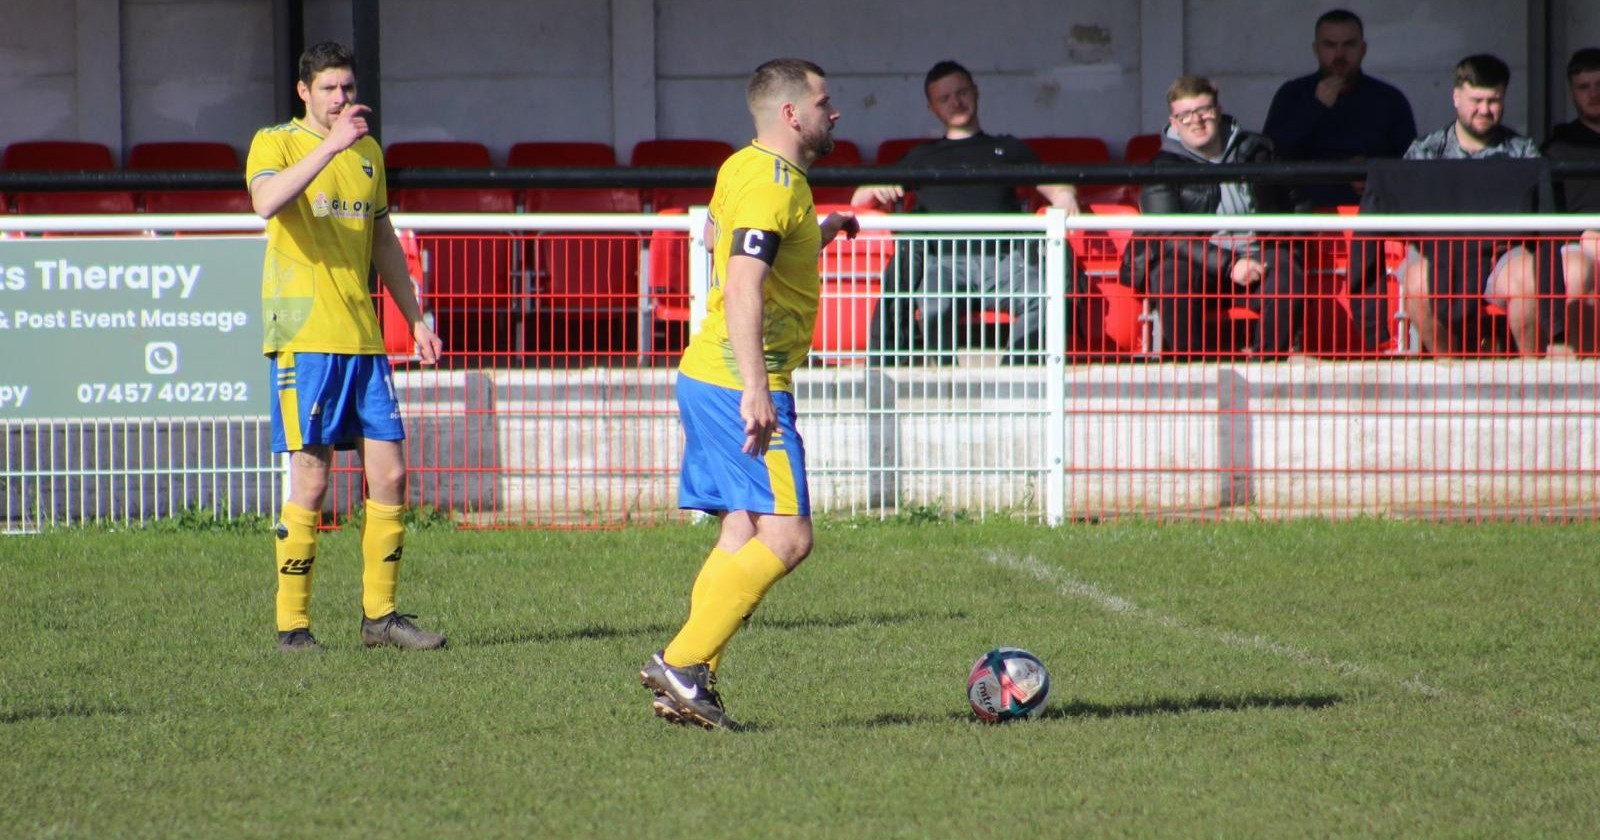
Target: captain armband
(753, 242)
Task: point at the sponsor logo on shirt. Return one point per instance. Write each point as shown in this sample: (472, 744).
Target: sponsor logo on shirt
(322, 206)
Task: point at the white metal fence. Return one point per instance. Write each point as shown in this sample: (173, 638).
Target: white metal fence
(532, 433)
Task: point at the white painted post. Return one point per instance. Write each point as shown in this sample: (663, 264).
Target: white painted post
(1057, 267)
(699, 267)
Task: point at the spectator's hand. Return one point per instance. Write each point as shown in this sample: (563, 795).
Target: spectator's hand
(349, 126)
(878, 195)
(760, 420)
(1590, 243)
(1064, 196)
(428, 344)
(1329, 88)
(1247, 271)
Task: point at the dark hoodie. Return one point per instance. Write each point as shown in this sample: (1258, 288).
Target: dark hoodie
(1258, 197)
(1240, 147)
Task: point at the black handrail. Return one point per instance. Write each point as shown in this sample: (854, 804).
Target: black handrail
(12, 181)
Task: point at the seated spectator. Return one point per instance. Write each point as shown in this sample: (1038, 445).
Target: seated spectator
(1580, 139)
(1181, 272)
(1513, 280)
(925, 279)
(1338, 113)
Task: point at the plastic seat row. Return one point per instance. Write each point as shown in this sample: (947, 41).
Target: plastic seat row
(68, 155)
(72, 155)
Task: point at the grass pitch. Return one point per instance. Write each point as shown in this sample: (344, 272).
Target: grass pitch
(1302, 679)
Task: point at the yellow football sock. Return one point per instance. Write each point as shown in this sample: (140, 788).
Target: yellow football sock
(295, 548)
(729, 598)
(714, 565)
(382, 541)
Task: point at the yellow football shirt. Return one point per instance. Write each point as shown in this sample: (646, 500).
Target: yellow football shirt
(314, 295)
(759, 189)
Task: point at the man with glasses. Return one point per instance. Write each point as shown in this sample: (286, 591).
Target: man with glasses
(1181, 274)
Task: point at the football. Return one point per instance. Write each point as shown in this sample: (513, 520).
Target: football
(1007, 683)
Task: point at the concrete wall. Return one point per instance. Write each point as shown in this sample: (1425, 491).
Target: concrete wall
(1497, 439)
(500, 71)
(601, 446)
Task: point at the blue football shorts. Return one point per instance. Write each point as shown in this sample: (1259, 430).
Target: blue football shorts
(718, 476)
(332, 399)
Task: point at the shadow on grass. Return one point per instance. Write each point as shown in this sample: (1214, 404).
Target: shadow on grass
(573, 634)
(1162, 706)
(825, 622)
(661, 631)
(52, 712)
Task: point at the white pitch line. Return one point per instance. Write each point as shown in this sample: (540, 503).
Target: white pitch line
(1073, 588)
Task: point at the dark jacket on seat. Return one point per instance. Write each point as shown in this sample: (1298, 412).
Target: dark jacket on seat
(1241, 146)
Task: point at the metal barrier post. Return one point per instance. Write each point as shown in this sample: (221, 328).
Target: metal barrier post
(699, 267)
(1056, 268)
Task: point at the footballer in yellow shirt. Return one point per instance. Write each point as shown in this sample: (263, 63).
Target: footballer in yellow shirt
(743, 459)
(319, 183)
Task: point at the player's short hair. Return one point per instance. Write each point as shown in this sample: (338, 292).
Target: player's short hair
(1586, 60)
(1188, 87)
(780, 77)
(941, 70)
(1341, 16)
(325, 56)
(1482, 71)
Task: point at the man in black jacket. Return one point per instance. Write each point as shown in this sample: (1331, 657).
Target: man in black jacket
(938, 281)
(1580, 140)
(1181, 273)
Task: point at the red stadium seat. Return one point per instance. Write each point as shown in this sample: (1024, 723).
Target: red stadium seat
(183, 155)
(398, 342)
(707, 154)
(892, 150)
(1330, 328)
(1141, 148)
(1067, 150)
(585, 286)
(64, 156)
(845, 153)
(669, 286)
(445, 154)
(851, 272)
(561, 153)
(574, 199)
(1114, 324)
(472, 279)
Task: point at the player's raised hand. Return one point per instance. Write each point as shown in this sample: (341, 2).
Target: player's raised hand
(349, 126)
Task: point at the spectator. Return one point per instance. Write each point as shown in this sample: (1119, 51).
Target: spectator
(1475, 134)
(1580, 139)
(1187, 270)
(1006, 272)
(1338, 113)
